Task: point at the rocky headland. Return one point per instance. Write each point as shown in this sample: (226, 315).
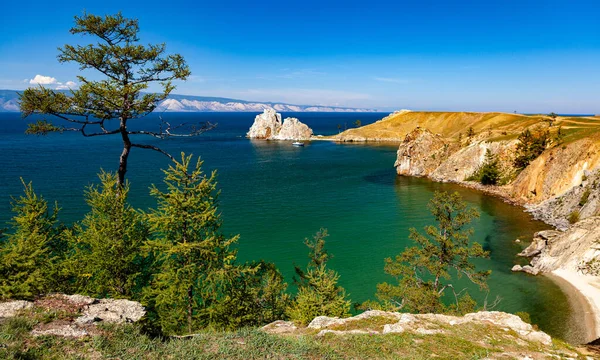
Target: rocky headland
(560, 186)
(269, 126)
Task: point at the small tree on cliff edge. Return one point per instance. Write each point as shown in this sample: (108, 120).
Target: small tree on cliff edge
(27, 266)
(105, 107)
(318, 291)
(195, 264)
(424, 272)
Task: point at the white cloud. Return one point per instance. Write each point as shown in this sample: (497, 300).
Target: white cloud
(43, 80)
(66, 86)
(391, 80)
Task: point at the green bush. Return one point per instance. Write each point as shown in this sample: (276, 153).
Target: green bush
(318, 291)
(489, 172)
(574, 217)
(584, 197)
(530, 146)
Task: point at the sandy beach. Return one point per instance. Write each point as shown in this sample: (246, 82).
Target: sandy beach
(584, 295)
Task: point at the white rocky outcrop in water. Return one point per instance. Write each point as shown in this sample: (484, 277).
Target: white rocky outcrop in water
(265, 125)
(269, 126)
(293, 129)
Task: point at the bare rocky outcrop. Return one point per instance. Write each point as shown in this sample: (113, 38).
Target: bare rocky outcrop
(13, 308)
(115, 311)
(293, 129)
(423, 153)
(583, 199)
(572, 250)
(268, 126)
(265, 125)
(422, 324)
(420, 153)
(81, 313)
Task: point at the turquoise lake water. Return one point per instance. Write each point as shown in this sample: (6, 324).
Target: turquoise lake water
(274, 195)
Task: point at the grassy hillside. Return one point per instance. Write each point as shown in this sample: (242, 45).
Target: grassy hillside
(451, 125)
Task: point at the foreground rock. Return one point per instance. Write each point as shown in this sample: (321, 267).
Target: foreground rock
(75, 315)
(268, 126)
(422, 324)
(13, 308)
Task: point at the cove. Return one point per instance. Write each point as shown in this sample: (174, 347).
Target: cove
(274, 195)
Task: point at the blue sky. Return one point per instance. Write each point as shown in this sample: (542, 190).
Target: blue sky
(525, 56)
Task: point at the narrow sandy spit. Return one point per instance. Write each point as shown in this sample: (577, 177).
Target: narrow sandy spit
(584, 295)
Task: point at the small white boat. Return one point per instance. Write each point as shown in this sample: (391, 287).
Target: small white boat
(298, 143)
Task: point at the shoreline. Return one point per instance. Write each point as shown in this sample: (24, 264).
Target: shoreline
(587, 290)
(583, 297)
(582, 306)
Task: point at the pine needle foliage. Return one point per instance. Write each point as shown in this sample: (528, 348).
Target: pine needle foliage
(425, 272)
(318, 291)
(195, 264)
(489, 172)
(257, 297)
(106, 246)
(27, 252)
(530, 146)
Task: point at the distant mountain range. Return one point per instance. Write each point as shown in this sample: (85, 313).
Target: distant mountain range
(188, 103)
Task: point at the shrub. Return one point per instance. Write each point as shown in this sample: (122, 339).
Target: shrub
(574, 217)
(489, 172)
(584, 197)
(530, 146)
(318, 291)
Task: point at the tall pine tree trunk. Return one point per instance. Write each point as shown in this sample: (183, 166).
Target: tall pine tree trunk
(124, 154)
(189, 309)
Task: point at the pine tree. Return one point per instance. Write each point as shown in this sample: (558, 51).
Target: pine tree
(424, 272)
(26, 254)
(107, 259)
(318, 291)
(257, 297)
(195, 266)
(105, 104)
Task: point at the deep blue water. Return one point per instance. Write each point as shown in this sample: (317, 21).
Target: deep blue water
(274, 195)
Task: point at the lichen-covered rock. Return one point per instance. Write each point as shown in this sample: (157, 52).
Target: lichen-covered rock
(293, 129)
(13, 308)
(265, 125)
(512, 322)
(62, 330)
(420, 153)
(321, 322)
(280, 327)
(114, 311)
(422, 324)
(79, 299)
(345, 332)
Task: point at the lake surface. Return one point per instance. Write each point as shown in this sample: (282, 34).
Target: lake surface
(274, 195)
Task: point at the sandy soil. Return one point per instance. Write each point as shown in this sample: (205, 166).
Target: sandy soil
(584, 295)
